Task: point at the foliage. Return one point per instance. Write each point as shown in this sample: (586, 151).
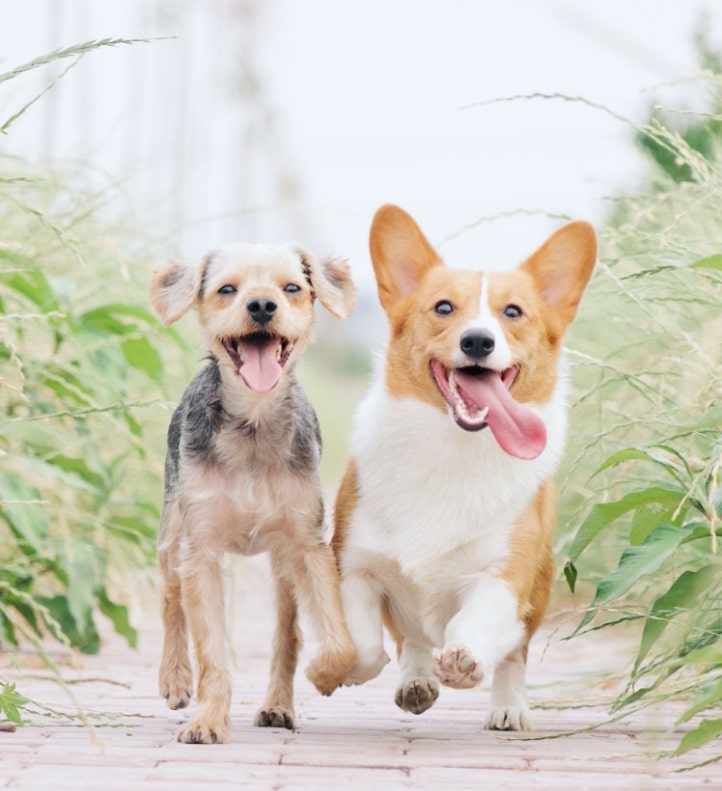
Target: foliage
(81, 358)
(647, 350)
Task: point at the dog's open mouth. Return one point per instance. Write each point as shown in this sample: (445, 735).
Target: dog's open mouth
(258, 358)
(480, 397)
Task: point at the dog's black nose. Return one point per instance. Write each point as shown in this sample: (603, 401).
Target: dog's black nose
(477, 343)
(261, 309)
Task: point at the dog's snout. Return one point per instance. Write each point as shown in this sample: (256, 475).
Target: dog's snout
(477, 343)
(261, 309)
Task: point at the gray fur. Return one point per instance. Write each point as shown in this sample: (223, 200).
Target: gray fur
(289, 433)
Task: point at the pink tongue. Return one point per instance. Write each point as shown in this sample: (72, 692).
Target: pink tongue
(260, 369)
(517, 429)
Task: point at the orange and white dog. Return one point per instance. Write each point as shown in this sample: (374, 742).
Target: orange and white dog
(445, 515)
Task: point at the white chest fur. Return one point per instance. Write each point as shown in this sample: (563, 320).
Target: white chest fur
(429, 489)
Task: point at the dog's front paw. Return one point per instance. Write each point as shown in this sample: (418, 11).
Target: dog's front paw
(417, 694)
(204, 730)
(175, 687)
(364, 669)
(508, 718)
(330, 669)
(457, 667)
(275, 717)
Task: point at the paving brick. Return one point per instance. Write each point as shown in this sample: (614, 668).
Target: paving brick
(355, 739)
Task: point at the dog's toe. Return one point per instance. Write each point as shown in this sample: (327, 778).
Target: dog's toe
(176, 689)
(508, 718)
(203, 732)
(417, 695)
(275, 717)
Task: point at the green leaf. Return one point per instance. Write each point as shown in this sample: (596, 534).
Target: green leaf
(703, 733)
(685, 593)
(34, 286)
(570, 573)
(711, 262)
(11, 701)
(711, 697)
(118, 614)
(22, 508)
(657, 454)
(81, 468)
(635, 563)
(603, 514)
(118, 318)
(142, 355)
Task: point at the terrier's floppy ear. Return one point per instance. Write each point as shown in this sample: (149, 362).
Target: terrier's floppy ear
(400, 253)
(330, 279)
(175, 288)
(562, 266)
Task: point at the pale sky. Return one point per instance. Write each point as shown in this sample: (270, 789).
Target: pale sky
(356, 104)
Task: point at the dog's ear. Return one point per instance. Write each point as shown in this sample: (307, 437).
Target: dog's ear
(562, 266)
(400, 253)
(330, 279)
(175, 288)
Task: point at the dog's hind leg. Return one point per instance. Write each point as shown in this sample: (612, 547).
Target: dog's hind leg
(277, 711)
(337, 653)
(175, 676)
(202, 589)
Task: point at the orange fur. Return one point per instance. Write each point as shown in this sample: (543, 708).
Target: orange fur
(412, 281)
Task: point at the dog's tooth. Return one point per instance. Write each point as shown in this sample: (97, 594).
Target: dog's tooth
(452, 381)
(482, 415)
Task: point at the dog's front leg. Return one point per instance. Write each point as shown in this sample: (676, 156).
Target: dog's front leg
(337, 653)
(361, 597)
(202, 591)
(277, 711)
(175, 676)
(484, 631)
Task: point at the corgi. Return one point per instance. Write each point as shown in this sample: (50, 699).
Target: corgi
(444, 518)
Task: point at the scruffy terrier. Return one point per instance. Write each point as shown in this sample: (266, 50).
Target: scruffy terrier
(241, 475)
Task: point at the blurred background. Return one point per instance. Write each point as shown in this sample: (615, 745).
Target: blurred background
(278, 119)
(138, 131)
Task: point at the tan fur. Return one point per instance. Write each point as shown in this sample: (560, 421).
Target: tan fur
(411, 280)
(248, 497)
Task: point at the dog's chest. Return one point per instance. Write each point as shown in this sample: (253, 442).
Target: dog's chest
(430, 492)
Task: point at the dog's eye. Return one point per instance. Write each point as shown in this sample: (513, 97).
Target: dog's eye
(512, 312)
(292, 288)
(443, 308)
(227, 289)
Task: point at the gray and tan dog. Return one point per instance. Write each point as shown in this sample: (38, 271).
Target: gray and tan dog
(242, 476)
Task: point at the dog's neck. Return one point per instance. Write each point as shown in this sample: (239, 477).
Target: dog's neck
(241, 403)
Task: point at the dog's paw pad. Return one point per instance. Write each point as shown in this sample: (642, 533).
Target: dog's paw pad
(275, 717)
(417, 695)
(508, 718)
(457, 667)
(203, 732)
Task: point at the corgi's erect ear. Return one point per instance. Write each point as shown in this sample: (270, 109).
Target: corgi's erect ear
(330, 279)
(562, 266)
(400, 253)
(175, 288)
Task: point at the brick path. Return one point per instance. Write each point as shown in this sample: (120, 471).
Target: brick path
(355, 739)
